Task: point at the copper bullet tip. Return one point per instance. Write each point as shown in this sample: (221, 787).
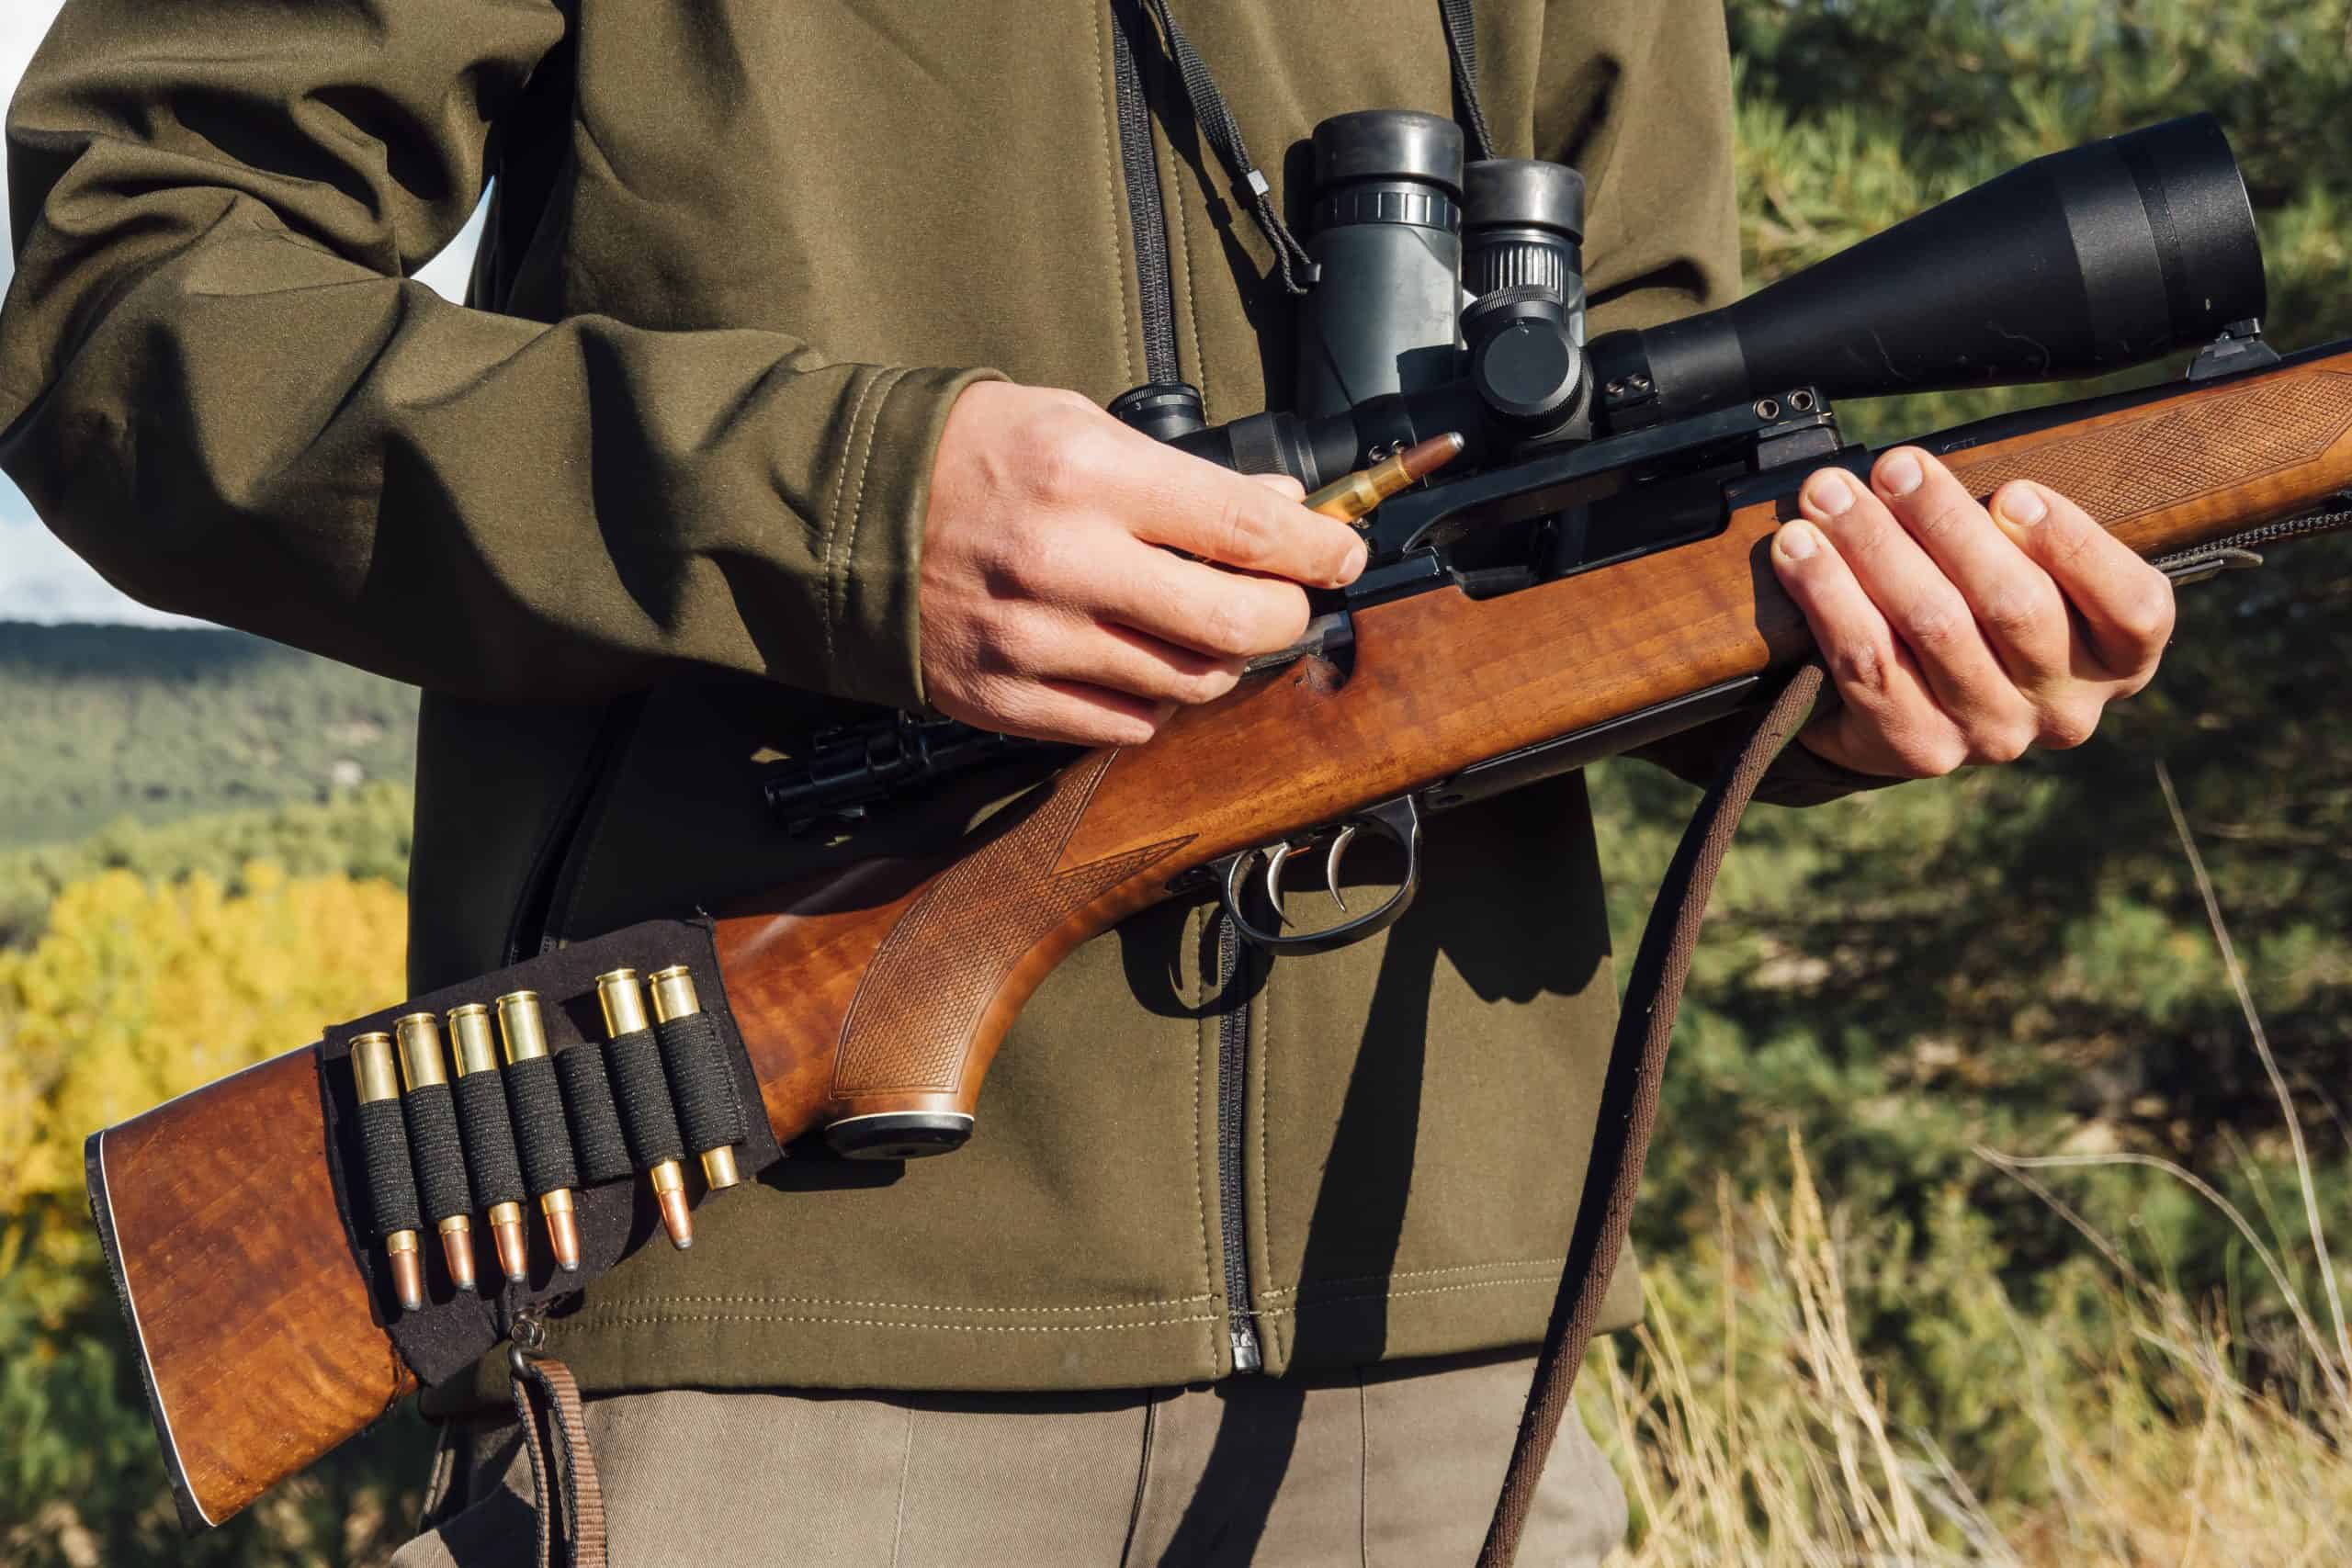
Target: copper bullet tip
(676, 1218)
(514, 1257)
(563, 1234)
(458, 1248)
(408, 1270)
(1426, 457)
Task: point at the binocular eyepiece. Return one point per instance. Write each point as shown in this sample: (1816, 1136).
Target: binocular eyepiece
(1451, 298)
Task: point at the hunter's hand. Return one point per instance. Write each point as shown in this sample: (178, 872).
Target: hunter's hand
(1050, 609)
(1957, 636)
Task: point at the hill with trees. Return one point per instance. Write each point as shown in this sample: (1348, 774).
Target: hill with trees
(152, 724)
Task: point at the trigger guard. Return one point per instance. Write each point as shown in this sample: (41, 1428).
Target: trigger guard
(1399, 820)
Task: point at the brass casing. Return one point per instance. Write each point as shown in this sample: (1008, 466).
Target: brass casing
(470, 1032)
(720, 1170)
(673, 993)
(674, 997)
(422, 1061)
(372, 1064)
(521, 1025)
(1348, 498)
(623, 1000)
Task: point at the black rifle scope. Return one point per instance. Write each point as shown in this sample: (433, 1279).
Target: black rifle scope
(2082, 261)
(2078, 263)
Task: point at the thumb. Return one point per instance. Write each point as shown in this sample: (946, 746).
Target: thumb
(1284, 484)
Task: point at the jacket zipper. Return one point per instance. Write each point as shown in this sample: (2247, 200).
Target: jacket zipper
(1232, 1053)
(555, 869)
(1147, 220)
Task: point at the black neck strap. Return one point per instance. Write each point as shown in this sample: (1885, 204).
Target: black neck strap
(1462, 43)
(1223, 132)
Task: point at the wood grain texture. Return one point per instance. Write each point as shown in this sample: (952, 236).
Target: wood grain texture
(889, 985)
(250, 1312)
(2170, 475)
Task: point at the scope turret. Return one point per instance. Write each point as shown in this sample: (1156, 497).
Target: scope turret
(2078, 263)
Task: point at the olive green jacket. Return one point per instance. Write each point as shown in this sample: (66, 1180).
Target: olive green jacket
(657, 505)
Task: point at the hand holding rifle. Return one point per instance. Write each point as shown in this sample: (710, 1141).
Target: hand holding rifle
(1958, 635)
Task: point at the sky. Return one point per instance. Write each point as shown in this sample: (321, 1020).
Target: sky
(40, 580)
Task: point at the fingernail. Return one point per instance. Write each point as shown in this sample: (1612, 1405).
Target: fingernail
(1799, 540)
(1352, 568)
(2022, 505)
(1900, 474)
(1829, 493)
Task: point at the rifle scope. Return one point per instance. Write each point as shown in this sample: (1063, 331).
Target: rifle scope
(2083, 262)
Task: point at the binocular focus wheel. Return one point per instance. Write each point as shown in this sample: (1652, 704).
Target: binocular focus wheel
(898, 1135)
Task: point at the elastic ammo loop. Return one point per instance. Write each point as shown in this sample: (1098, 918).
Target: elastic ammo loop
(490, 1139)
(710, 1110)
(642, 1089)
(595, 1119)
(391, 1178)
(543, 1140)
(439, 1151)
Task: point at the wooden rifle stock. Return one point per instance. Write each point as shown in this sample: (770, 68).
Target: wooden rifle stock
(887, 987)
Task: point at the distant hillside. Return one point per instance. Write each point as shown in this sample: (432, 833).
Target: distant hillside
(102, 723)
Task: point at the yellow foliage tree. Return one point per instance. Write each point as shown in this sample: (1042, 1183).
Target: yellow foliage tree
(139, 991)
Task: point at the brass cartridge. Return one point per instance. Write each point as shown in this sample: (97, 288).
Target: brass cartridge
(379, 1075)
(1352, 497)
(674, 997)
(523, 1028)
(478, 1052)
(423, 1065)
(622, 999)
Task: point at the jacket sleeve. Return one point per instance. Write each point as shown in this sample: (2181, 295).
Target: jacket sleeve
(219, 384)
(1636, 94)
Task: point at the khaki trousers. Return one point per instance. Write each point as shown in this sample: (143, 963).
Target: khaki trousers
(1397, 1467)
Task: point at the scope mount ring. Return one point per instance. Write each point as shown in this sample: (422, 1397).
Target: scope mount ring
(1398, 820)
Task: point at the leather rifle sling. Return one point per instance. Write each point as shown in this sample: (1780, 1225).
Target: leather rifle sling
(1629, 1103)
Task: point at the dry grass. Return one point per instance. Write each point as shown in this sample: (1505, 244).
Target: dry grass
(1750, 1430)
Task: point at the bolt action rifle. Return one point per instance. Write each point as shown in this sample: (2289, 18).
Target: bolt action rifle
(1590, 576)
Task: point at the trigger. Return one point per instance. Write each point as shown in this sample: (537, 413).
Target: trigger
(1274, 860)
(1339, 843)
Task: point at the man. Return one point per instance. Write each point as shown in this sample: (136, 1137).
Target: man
(689, 493)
